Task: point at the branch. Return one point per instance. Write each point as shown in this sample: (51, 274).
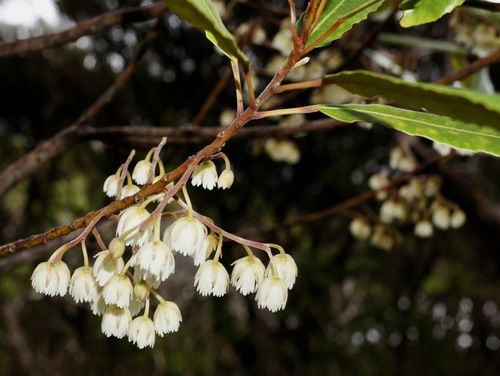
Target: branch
(149, 136)
(90, 26)
(51, 148)
(470, 69)
(347, 204)
(214, 147)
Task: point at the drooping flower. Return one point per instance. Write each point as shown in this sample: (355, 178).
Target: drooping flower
(441, 217)
(156, 258)
(115, 321)
(247, 274)
(83, 287)
(360, 229)
(106, 267)
(142, 332)
(205, 174)
(226, 179)
(272, 294)
(187, 235)
(142, 171)
(167, 318)
(118, 291)
(128, 226)
(211, 279)
(45, 279)
(110, 186)
(457, 218)
(286, 268)
(423, 229)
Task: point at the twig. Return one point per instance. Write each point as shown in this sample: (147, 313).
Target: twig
(123, 173)
(470, 69)
(347, 204)
(98, 239)
(51, 148)
(214, 147)
(149, 135)
(237, 83)
(90, 26)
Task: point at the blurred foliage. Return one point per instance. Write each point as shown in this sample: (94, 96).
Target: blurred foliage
(426, 307)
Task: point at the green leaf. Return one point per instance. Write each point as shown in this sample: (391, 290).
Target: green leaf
(345, 13)
(425, 11)
(203, 15)
(434, 127)
(462, 104)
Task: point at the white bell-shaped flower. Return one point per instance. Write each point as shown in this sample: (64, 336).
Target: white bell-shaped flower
(110, 186)
(211, 279)
(128, 226)
(205, 174)
(187, 235)
(167, 318)
(142, 171)
(156, 258)
(441, 217)
(106, 267)
(142, 332)
(272, 294)
(83, 287)
(45, 279)
(226, 179)
(247, 274)
(360, 229)
(286, 268)
(457, 218)
(115, 321)
(424, 229)
(118, 291)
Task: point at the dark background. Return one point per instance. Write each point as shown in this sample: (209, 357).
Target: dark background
(425, 307)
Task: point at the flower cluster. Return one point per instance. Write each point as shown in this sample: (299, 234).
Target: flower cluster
(418, 204)
(127, 274)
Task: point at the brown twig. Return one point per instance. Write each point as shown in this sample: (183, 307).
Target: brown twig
(215, 146)
(149, 135)
(90, 26)
(470, 69)
(51, 148)
(347, 204)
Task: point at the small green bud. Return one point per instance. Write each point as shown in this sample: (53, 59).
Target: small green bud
(116, 248)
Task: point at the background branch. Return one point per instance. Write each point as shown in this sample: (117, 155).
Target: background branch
(90, 26)
(54, 146)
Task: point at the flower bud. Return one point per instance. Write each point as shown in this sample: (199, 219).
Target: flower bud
(226, 179)
(141, 290)
(116, 248)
